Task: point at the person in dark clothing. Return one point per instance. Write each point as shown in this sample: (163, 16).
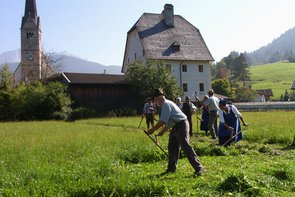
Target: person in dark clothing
(188, 108)
(205, 117)
(172, 117)
(149, 110)
(229, 128)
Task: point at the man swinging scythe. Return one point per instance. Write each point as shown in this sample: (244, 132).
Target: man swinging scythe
(172, 117)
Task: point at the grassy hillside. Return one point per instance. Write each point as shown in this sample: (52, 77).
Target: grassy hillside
(277, 76)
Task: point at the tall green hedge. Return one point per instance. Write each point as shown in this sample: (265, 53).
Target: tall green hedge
(38, 101)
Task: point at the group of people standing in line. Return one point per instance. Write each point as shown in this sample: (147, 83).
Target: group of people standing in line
(177, 117)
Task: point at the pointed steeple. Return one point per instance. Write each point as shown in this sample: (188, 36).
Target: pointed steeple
(31, 45)
(31, 9)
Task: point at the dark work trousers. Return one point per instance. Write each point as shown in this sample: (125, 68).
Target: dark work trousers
(149, 119)
(186, 108)
(212, 123)
(179, 137)
(189, 119)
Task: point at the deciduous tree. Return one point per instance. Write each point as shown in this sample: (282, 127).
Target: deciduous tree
(222, 86)
(50, 65)
(6, 82)
(145, 78)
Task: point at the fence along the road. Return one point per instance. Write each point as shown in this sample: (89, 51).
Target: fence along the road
(265, 106)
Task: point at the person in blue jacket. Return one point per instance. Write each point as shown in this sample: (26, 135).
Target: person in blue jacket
(229, 128)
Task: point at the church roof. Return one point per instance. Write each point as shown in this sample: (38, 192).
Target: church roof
(30, 11)
(31, 8)
(183, 41)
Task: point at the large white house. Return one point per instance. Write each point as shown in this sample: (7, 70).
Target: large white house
(178, 43)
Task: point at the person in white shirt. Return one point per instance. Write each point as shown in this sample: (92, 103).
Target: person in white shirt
(178, 101)
(212, 104)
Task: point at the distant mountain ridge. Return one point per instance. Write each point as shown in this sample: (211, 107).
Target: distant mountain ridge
(281, 48)
(69, 63)
(10, 56)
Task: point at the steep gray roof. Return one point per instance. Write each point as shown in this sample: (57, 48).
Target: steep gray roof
(159, 40)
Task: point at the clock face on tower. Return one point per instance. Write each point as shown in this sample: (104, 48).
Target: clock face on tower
(30, 56)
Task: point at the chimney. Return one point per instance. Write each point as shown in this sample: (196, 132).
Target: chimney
(168, 15)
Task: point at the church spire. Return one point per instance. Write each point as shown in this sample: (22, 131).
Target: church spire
(31, 9)
(31, 45)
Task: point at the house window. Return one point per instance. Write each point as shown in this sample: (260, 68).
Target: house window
(201, 87)
(184, 68)
(135, 56)
(184, 87)
(143, 53)
(201, 68)
(168, 66)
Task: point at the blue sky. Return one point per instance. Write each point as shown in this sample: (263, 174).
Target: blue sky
(96, 30)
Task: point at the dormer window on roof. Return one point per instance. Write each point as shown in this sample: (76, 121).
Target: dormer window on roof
(176, 46)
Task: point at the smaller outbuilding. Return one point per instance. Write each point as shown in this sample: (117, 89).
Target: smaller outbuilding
(263, 95)
(100, 92)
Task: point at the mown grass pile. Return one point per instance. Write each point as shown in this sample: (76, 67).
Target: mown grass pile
(112, 157)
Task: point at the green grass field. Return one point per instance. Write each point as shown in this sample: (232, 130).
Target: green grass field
(111, 157)
(277, 76)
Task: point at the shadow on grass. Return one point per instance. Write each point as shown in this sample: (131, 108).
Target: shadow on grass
(239, 183)
(289, 147)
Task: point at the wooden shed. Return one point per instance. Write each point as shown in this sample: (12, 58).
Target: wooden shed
(264, 94)
(101, 92)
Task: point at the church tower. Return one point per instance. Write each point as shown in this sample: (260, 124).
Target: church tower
(31, 46)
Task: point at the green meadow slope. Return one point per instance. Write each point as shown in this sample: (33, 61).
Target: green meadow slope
(277, 76)
(113, 157)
